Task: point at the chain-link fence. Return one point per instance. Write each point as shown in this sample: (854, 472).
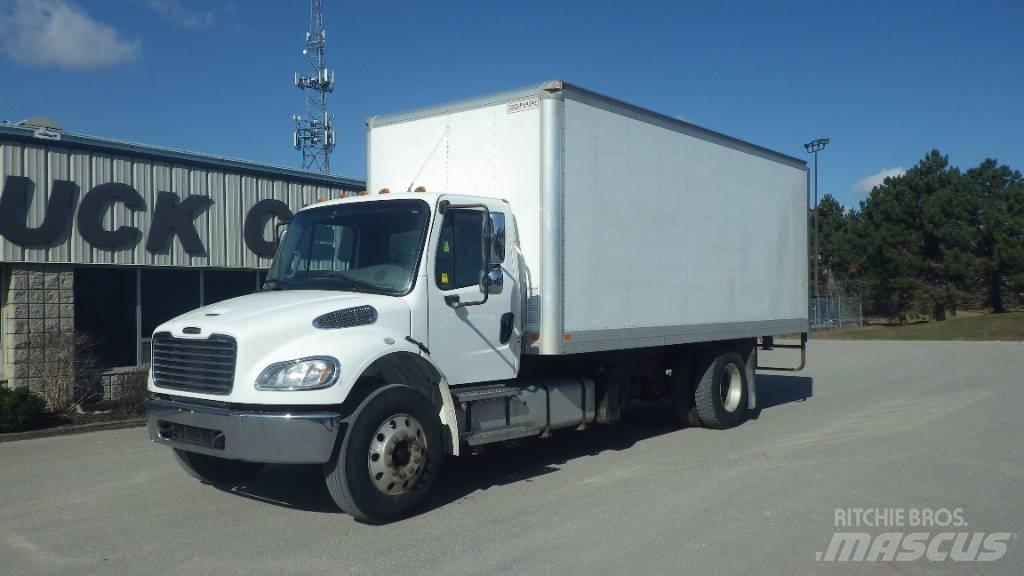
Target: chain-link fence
(829, 312)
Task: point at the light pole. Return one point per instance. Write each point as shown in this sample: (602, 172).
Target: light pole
(813, 147)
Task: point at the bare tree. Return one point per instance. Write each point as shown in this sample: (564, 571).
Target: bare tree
(64, 370)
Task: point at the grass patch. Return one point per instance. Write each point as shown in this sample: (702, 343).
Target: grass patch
(977, 327)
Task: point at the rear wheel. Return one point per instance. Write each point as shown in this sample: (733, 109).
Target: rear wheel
(216, 471)
(389, 458)
(721, 394)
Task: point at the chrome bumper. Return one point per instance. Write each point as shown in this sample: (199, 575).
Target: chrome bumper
(272, 437)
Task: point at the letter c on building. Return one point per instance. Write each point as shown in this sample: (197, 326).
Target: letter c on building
(256, 222)
(94, 207)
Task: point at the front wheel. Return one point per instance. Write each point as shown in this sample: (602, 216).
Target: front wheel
(216, 471)
(389, 458)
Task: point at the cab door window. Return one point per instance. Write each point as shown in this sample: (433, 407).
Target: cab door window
(458, 261)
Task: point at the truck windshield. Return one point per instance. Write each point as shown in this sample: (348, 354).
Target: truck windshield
(360, 247)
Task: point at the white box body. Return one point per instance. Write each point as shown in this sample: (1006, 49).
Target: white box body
(637, 229)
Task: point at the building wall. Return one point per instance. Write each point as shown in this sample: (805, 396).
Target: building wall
(219, 227)
(47, 309)
(63, 199)
(38, 310)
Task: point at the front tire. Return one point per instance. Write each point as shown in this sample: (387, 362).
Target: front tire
(216, 471)
(721, 394)
(389, 458)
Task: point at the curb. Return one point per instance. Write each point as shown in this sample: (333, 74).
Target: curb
(69, 430)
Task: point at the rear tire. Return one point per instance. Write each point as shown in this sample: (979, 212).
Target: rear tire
(216, 471)
(721, 394)
(389, 458)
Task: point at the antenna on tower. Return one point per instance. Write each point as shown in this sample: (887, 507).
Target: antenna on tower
(314, 133)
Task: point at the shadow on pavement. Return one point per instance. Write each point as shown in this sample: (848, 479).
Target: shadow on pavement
(777, 389)
(302, 487)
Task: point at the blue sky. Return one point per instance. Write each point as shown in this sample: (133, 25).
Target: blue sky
(886, 81)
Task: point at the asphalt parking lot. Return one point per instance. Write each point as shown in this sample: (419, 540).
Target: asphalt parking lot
(868, 425)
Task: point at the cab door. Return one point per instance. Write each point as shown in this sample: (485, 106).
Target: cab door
(478, 341)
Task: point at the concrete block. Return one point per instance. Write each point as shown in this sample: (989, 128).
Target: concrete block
(37, 340)
(20, 371)
(51, 296)
(19, 296)
(36, 326)
(52, 325)
(19, 341)
(52, 310)
(67, 280)
(21, 355)
(66, 297)
(66, 310)
(19, 282)
(34, 296)
(19, 311)
(35, 280)
(17, 326)
(67, 324)
(35, 385)
(51, 280)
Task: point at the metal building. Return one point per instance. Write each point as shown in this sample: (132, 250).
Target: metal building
(110, 238)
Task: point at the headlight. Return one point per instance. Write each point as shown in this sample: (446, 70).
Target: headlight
(302, 374)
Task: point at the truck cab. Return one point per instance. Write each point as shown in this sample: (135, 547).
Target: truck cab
(417, 290)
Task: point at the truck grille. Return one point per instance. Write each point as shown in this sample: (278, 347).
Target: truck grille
(206, 366)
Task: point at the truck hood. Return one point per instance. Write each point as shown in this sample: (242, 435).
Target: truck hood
(281, 313)
(271, 327)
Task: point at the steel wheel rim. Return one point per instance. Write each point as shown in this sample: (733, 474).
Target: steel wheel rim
(731, 387)
(397, 454)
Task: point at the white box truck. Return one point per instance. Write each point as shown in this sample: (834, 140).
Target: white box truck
(524, 262)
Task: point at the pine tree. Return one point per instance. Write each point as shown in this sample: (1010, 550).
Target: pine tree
(893, 243)
(832, 244)
(998, 218)
(905, 229)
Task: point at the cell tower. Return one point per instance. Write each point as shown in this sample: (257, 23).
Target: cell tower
(314, 133)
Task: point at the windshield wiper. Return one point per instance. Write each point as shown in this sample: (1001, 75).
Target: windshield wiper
(356, 283)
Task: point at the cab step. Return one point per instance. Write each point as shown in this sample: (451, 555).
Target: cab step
(484, 392)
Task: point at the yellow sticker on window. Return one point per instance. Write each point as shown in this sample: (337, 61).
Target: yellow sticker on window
(444, 247)
(444, 277)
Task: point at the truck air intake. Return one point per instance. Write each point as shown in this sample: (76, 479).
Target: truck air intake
(346, 318)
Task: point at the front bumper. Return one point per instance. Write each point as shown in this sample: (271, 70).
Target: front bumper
(250, 435)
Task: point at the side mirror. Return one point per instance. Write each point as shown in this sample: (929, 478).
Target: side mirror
(486, 239)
